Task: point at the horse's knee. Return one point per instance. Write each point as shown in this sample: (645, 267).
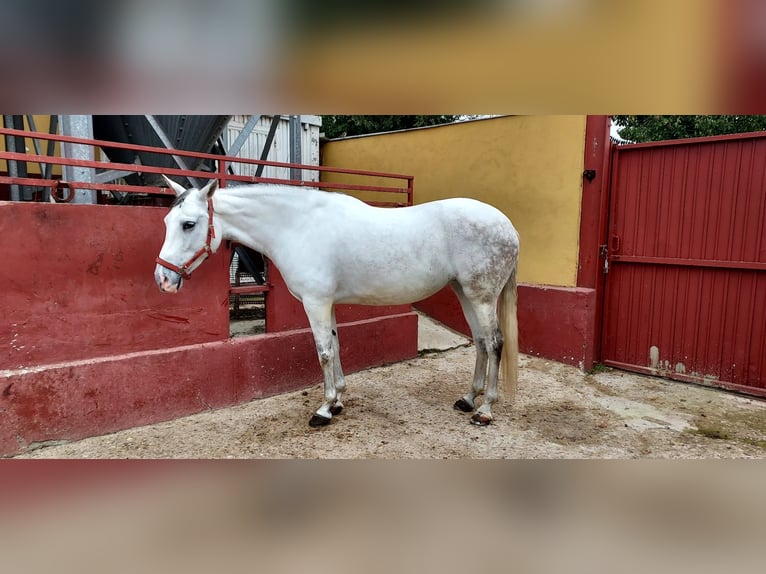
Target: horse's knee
(496, 344)
(492, 345)
(324, 354)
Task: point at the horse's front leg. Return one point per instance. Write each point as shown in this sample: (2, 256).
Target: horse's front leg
(340, 381)
(320, 318)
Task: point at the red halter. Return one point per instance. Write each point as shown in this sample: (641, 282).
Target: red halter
(204, 251)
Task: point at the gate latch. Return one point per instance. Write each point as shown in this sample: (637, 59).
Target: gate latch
(604, 252)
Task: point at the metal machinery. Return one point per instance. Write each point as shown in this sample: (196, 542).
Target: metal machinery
(119, 160)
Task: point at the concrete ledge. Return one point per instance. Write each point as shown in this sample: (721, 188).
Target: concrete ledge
(73, 400)
(558, 323)
(554, 322)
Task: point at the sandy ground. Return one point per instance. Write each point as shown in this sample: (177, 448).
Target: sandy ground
(405, 411)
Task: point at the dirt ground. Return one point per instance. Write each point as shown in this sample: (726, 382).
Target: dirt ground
(405, 410)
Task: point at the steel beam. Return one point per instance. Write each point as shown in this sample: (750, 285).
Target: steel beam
(10, 145)
(180, 162)
(233, 151)
(46, 169)
(21, 146)
(111, 175)
(38, 149)
(247, 129)
(78, 126)
(295, 146)
(267, 146)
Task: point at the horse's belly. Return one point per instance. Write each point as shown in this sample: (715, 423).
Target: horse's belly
(392, 292)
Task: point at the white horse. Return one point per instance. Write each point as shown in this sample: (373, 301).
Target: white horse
(332, 248)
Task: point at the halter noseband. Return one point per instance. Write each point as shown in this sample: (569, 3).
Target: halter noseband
(203, 252)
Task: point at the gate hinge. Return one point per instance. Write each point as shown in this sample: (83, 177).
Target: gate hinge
(603, 251)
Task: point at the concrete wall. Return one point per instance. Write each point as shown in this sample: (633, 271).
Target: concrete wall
(89, 345)
(531, 168)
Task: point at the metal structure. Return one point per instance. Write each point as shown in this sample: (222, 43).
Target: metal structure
(223, 167)
(79, 126)
(273, 138)
(399, 196)
(186, 132)
(295, 146)
(289, 139)
(685, 290)
(13, 144)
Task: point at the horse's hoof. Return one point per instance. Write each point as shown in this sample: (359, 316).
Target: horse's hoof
(480, 419)
(462, 405)
(336, 410)
(317, 421)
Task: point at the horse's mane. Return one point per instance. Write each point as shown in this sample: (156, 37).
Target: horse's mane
(180, 198)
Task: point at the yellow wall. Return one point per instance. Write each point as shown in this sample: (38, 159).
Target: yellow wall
(42, 123)
(530, 167)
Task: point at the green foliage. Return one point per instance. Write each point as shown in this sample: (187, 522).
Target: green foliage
(341, 126)
(598, 368)
(654, 128)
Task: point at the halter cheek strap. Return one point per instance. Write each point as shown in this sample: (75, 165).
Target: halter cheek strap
(202, 253)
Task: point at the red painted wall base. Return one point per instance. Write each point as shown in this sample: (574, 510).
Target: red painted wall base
(89, 345)
(284, 312)
(554, 322)
(83, 398)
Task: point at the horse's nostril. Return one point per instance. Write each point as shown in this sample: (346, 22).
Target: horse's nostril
(166, 286)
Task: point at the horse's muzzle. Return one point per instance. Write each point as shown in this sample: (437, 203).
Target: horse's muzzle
(167, 284)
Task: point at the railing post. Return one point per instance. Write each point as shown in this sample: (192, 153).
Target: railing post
(295, 136)
(82, 127)
(222, 172)
(10, 146)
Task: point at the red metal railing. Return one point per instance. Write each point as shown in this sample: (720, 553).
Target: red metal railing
(404, 195)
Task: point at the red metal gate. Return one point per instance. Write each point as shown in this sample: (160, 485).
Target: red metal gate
(685, 290)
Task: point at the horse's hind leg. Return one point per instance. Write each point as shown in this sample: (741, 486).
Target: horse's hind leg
(481, 314)
(320, 316)
(492, 340)
(466, 403)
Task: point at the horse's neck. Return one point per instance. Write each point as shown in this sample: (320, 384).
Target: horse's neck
(260, 216)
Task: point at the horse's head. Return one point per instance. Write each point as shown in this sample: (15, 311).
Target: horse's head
(189, 235)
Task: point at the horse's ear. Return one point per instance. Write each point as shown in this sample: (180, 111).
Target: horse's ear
(210, 188)
(177, 188)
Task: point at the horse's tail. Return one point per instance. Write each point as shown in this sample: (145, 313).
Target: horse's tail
(510, 328)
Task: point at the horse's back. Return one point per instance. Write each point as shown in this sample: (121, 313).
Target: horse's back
(385, 255)
(437, 227)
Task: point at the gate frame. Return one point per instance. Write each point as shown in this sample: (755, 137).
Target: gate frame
(594, 224)
(612, 169)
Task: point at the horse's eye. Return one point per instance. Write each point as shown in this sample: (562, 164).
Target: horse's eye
(188, 225)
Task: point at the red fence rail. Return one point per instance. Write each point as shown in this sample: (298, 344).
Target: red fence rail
(403, 193)
(401, 190)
